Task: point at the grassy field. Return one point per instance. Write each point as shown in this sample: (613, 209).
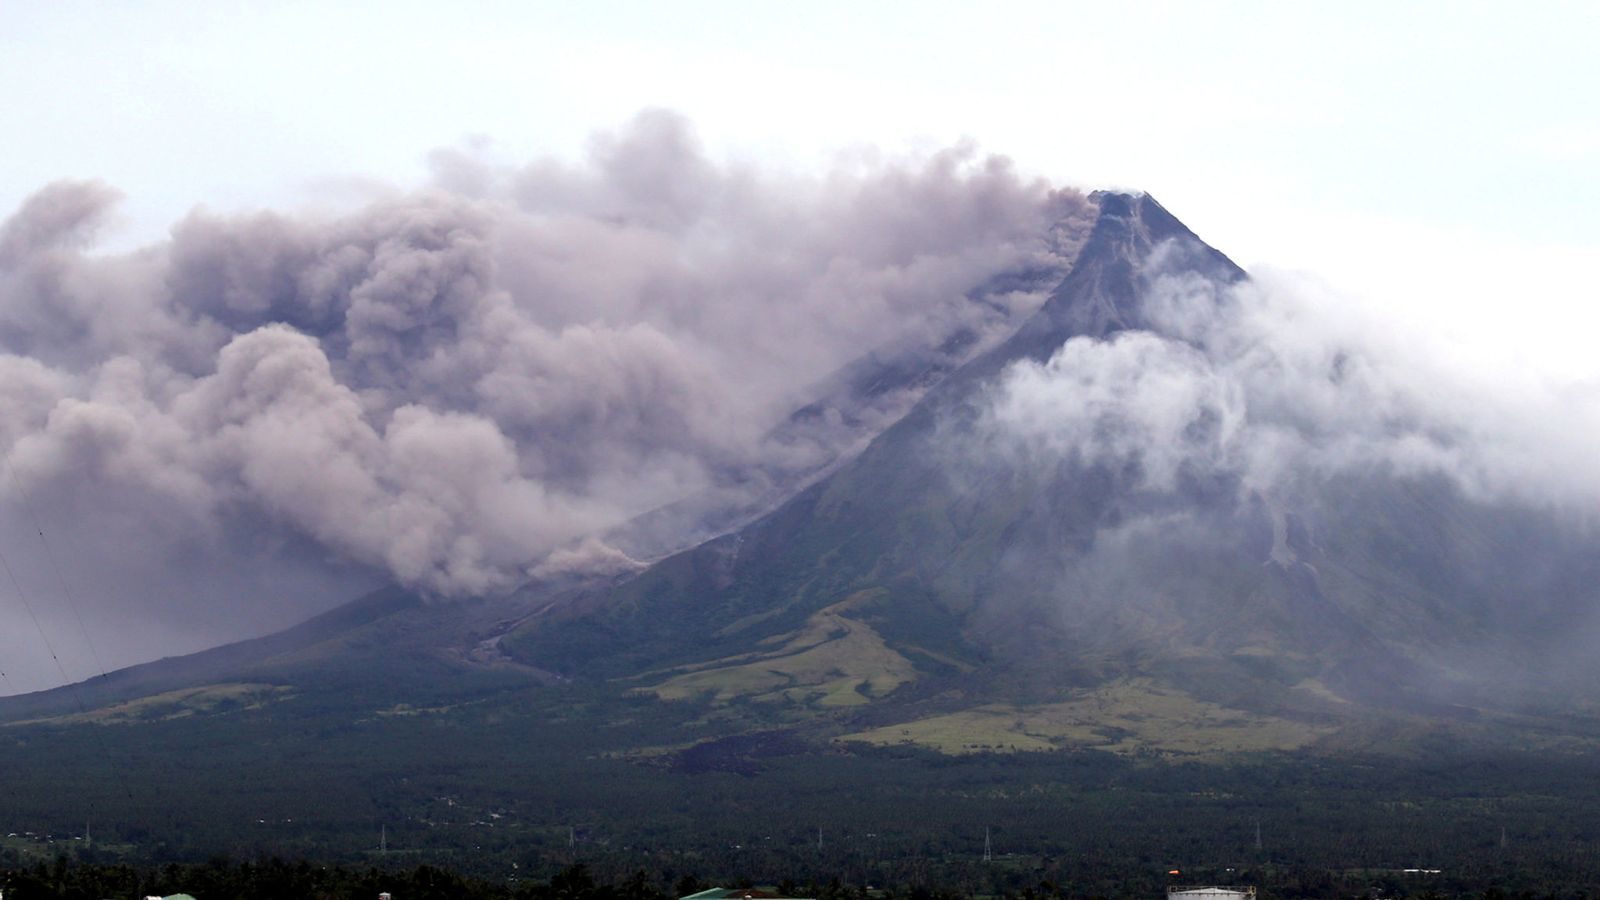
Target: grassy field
(1123, 717)
(833, 661)
(178, 704)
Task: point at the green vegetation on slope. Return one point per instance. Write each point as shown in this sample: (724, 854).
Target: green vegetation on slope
(489, 772)
(834, 660)
(1132, 716)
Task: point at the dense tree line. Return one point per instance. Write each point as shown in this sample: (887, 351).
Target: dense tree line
(515, 789)
(276, 879)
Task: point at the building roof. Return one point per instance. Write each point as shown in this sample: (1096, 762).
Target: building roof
(718, 893)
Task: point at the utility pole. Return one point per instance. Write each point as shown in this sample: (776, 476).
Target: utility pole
(1258, 835)
(988, 851)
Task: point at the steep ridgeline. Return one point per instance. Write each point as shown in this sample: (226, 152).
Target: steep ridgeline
(946, 588)
(845, 410)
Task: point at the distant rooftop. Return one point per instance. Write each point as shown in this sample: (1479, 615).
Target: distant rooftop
(740, 894)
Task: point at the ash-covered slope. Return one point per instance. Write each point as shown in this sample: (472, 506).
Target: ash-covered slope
(946, 572)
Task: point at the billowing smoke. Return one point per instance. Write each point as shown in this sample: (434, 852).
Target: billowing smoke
(1281, 385)
(1268, 465)
(445, 387)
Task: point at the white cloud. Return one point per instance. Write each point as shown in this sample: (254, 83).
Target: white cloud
(1283, 384)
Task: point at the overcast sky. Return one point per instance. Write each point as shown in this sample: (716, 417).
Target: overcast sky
(1434, 156)
(1437, 165)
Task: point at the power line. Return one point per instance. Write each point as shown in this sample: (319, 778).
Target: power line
(55, 567)
(73, 688)
(50, 648)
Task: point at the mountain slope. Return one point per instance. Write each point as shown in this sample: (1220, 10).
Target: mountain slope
(969, 577)
(1384, 668)
(217, 664)
(892, 516)
(943, 588)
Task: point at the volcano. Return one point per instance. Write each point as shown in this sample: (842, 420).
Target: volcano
(952, 581)
(991, 572)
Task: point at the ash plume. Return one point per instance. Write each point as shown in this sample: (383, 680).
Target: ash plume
(445, 387)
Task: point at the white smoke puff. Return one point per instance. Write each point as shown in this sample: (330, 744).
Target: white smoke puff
(591, 556)
(1277, 383)
(113, 455)
(28, 391)
(428, 270)
(275, 423)
(436, 498)
(64, 215)
(1134, 398)
(464, 472)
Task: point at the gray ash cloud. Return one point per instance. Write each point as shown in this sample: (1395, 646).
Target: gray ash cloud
(445, 386)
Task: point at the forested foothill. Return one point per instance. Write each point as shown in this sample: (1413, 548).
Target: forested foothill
(500, 793)
(272, 879)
